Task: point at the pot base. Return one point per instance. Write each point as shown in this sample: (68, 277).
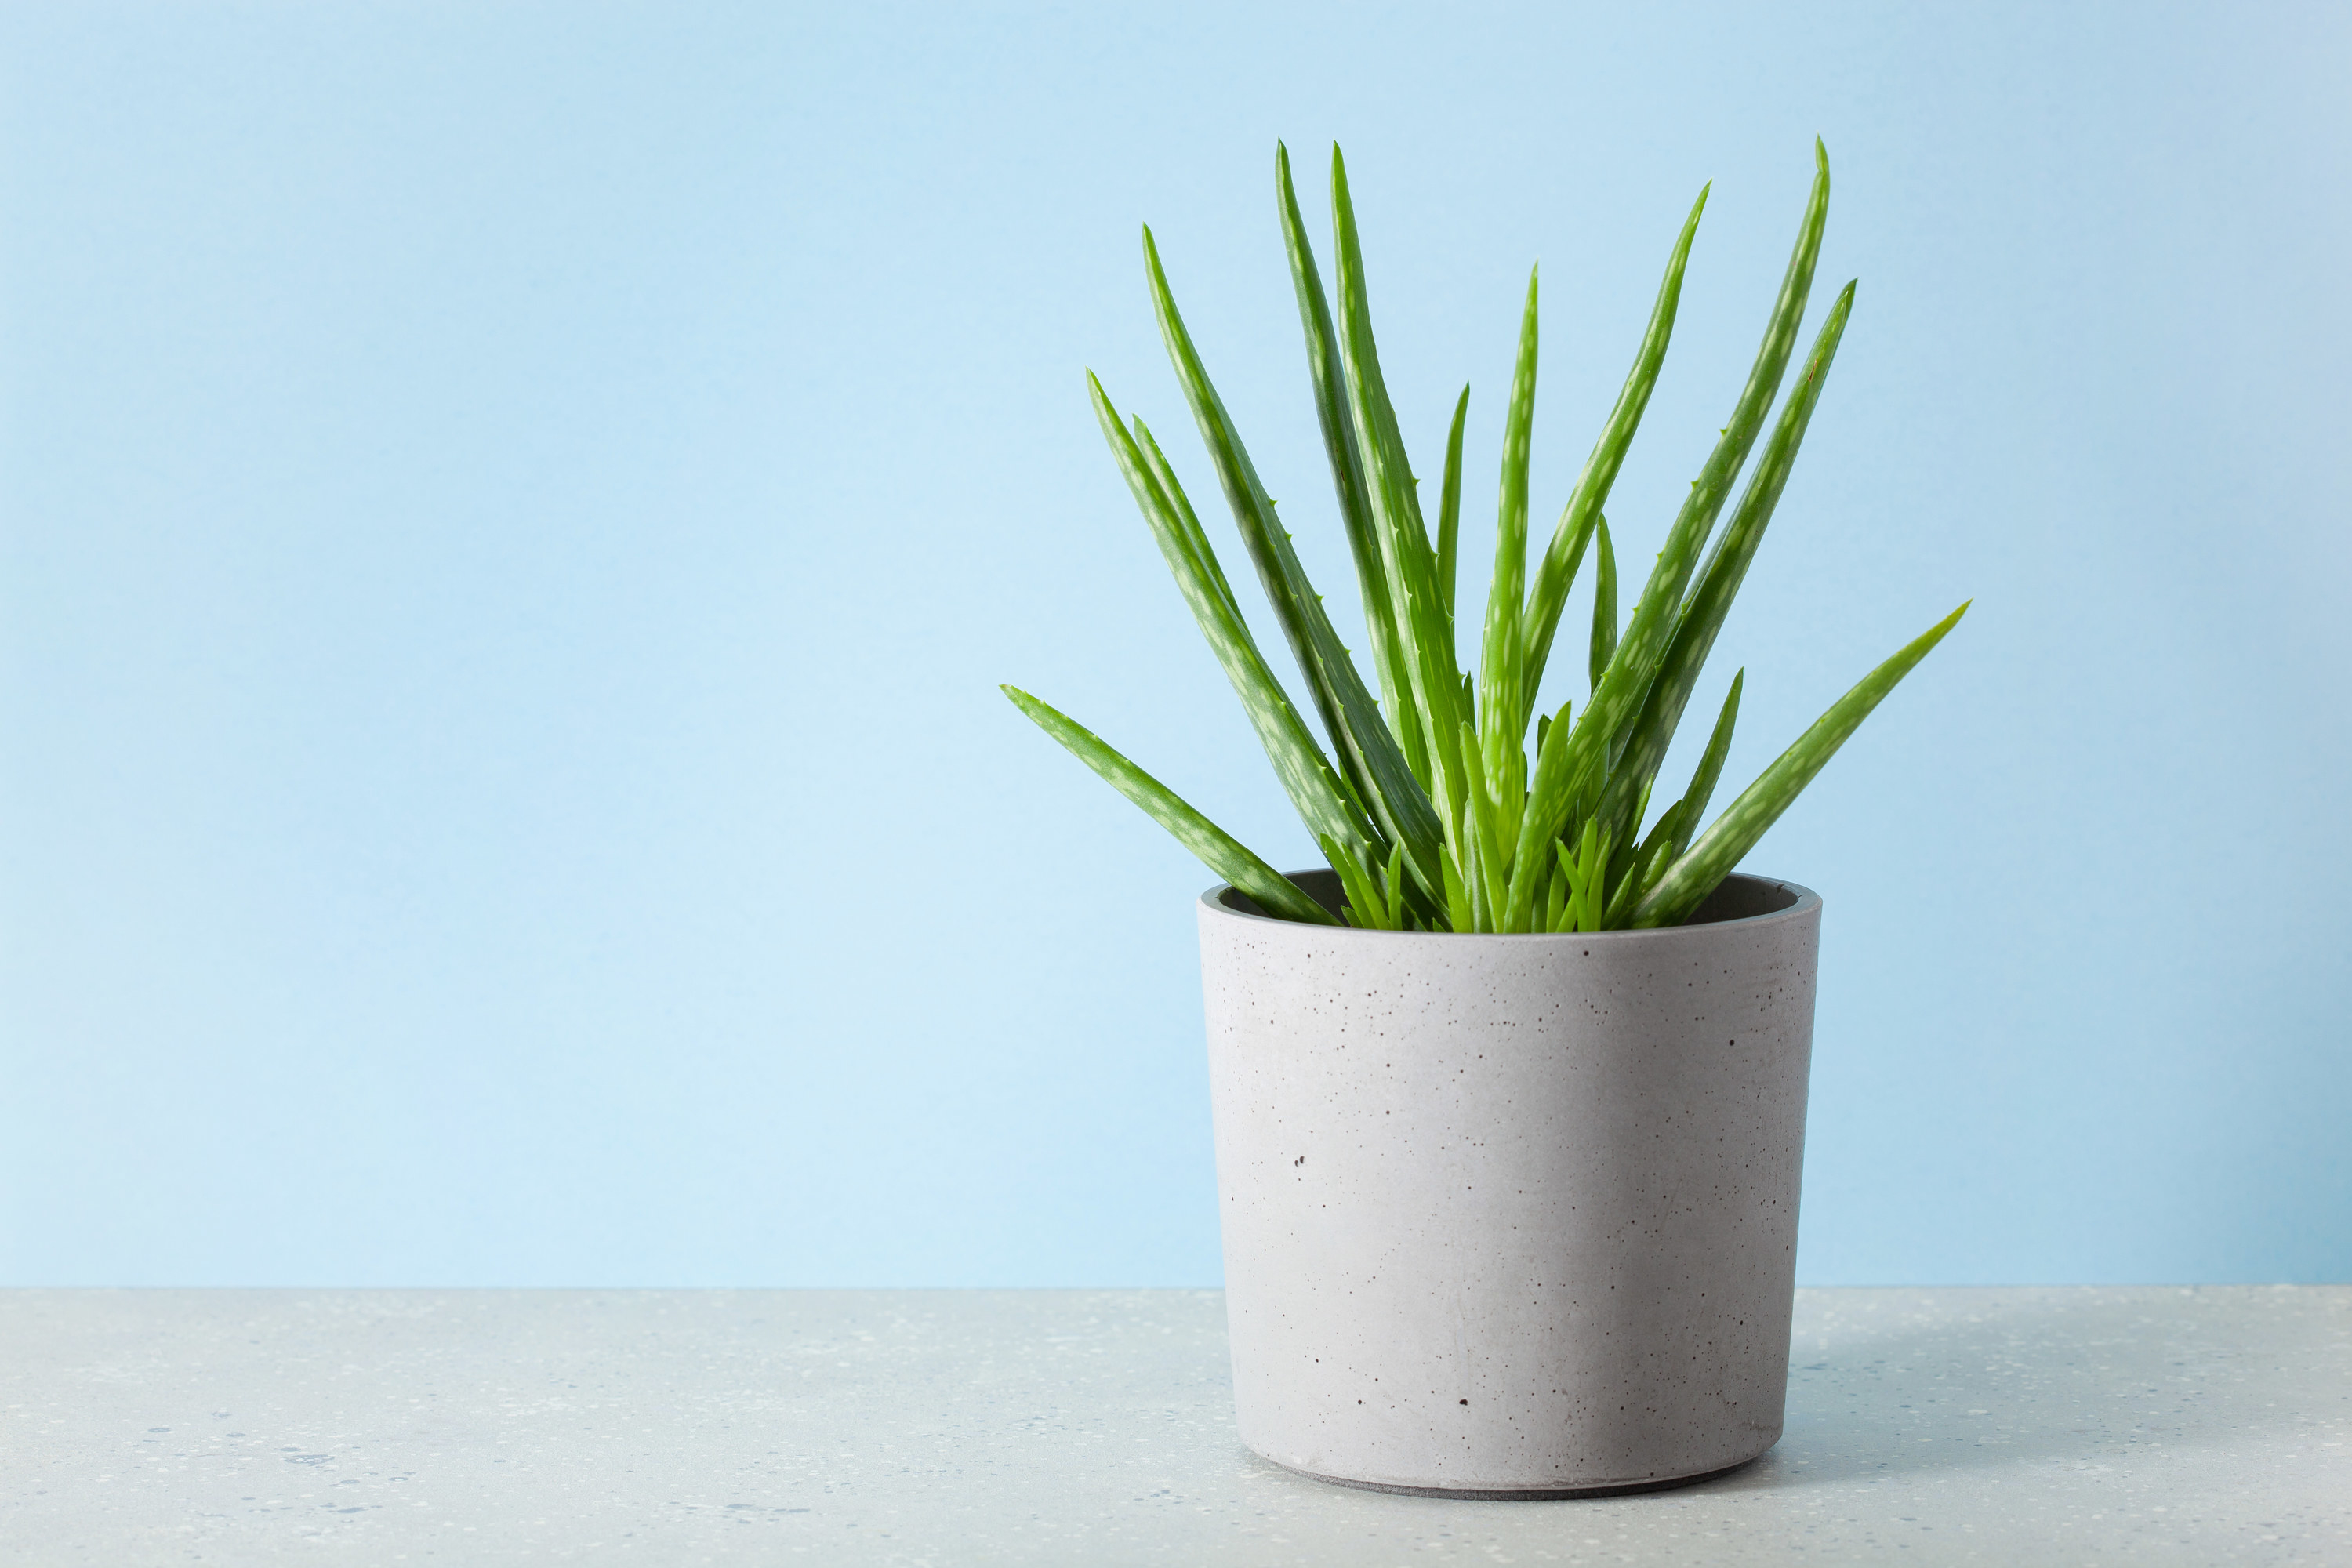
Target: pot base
(1520, 1494)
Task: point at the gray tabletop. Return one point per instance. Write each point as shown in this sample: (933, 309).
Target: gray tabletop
(946, 1426)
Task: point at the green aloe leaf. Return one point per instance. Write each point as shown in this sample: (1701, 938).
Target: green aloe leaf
(1157, 461)
(1484, 812)
(1662, 708)
(1323, 799)
(1654, 617)
(1219, 850)
(1459, 915)
(1375, 765)
(1502, 663)
(1408, 564)
(1449, 508)
(1604, 606)
(1541, 817)
(1339, 445)
(1643, 867)
(1482, 908)
(1364, 905)
(1665, 834)
(1586, 871)
(1557, 573)
(1600, 732)
(1693, 805)
(1730, 837)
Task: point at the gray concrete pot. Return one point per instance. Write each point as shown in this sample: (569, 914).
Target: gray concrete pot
(1511, 1216)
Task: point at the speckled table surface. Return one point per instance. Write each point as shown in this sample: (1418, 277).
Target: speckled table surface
(942, 1427)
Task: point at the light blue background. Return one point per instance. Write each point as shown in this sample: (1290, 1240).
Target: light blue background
(511, 519)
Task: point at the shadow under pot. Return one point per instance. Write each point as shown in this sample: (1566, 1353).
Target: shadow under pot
(1511, 1216)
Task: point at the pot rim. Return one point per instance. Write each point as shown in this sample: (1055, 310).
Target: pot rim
(1805, 903)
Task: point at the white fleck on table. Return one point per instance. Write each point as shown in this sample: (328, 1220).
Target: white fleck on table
(1071, 1427)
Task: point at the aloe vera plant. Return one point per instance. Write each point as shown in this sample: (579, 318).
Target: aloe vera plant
(1426, 804)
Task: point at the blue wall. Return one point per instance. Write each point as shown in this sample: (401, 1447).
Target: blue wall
(511, 519)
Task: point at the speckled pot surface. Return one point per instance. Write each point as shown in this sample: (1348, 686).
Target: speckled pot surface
(1511, 1215)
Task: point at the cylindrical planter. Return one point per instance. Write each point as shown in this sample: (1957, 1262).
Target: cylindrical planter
(1511, 1216)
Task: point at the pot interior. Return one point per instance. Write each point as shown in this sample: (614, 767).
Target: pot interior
(1739, 898)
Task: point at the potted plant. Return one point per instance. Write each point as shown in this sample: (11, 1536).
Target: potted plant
(1509, 1100)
